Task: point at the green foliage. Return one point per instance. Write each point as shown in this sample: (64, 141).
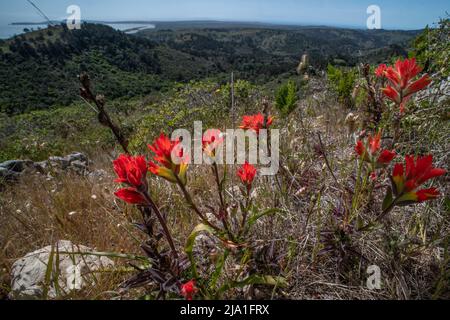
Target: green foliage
(39, 134)
(286, 98)
(432, 48)
(342, 82)
(196, 101)
(426, 126)
(39, 69)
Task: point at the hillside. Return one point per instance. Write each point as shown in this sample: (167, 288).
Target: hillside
(38, 69)
(268, 45)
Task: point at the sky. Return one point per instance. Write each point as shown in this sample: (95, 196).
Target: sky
(395, 14)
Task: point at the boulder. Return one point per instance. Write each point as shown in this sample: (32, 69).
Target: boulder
(79, 167)
(69, 271)
(77, 156)
(13, 169)
(16, 165)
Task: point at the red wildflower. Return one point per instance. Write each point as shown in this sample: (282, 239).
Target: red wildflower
(130, 195)
(401, 78)
(130, 170)
(247, 174)
(418, 85)
(409, 177)
(381, 70)
(188, 290)
(386, 157)
(420, 170)
(360, 148)
(427, 194)
(256, 122)
(392, 94)
(403, 72)
(375, 143)
(371, 152)
(170, 159)
(212, 139)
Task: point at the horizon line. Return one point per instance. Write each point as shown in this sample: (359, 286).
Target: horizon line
(207, 20)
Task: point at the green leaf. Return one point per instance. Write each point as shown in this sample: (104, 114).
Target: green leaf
(191, 241)
(48, 273)
(407, 198)
(218, 270)
(255, 217)
(388, 199)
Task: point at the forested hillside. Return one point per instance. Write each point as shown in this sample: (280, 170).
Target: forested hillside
(39, 69)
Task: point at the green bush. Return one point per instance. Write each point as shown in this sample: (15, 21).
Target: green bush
(342, 82)
(286, 98)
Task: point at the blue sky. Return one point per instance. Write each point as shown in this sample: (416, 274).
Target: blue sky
(396, 14)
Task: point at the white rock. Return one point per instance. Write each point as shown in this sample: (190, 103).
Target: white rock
(72, 272)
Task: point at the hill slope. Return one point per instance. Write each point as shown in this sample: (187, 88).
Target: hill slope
(39, 69)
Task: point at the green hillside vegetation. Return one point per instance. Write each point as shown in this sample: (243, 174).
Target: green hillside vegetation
(39, 69)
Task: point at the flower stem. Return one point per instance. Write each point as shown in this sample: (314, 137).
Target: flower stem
(222, 202)
(216, 172)
(381, 216)
(162, 221)
(189, 200)
(245, 213)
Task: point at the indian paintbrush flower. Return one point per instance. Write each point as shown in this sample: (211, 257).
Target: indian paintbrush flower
(371, 152)
(170, 161)
(381, 70)
(401, 81)
(131, 171)
(130, 195)
(406, 179)
(247, 174)
(188, 290)
(256, 122)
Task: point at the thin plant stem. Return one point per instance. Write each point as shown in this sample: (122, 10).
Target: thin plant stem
(162, 221)
(223, 208)
(189, 200)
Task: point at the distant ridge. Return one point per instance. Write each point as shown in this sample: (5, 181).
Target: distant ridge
(208, 24)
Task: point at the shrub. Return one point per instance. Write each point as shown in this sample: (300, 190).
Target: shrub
(342, 82)
(286, 98)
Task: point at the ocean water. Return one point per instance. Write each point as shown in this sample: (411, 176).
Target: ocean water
(8, 30)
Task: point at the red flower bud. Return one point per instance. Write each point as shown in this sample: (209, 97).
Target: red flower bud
(247, 174)
(188, 290)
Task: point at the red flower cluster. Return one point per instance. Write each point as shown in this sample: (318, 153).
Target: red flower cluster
(131, 171)
(401, 79)
(370, 153)
(188, 290)
(170, 160)
(381, 70)
(247, 174)
(256, 122)
(418, 171)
